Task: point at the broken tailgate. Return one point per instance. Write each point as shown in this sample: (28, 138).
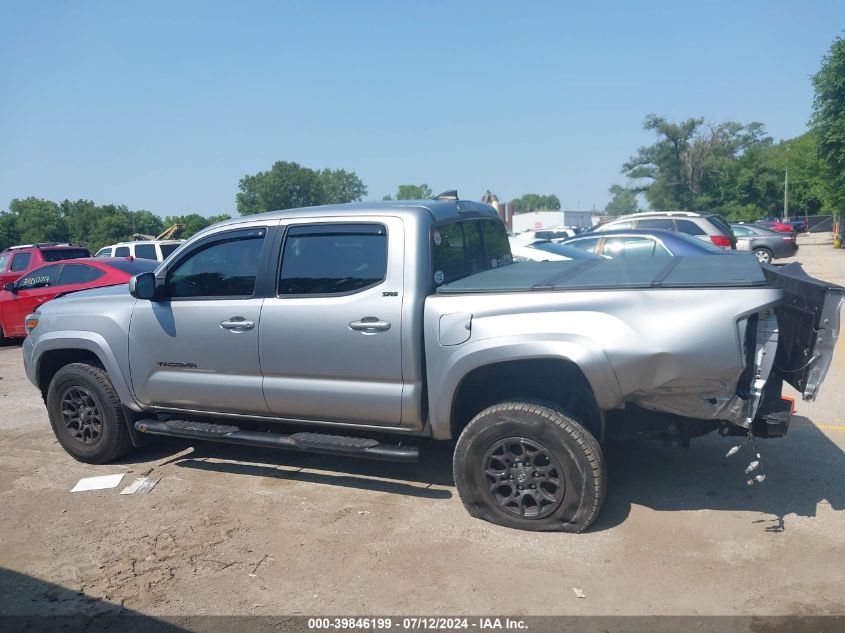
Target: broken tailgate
(809, 320)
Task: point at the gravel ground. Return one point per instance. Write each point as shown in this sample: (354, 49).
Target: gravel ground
(230, 530)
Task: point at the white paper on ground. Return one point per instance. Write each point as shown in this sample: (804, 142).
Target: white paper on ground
(140, 486)
(97, 483)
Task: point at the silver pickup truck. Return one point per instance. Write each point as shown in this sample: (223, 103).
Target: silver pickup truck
(333, 329)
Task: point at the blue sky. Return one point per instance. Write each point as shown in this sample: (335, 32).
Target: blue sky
(166, 105)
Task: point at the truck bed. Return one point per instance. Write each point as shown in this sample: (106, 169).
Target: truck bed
(731, 270)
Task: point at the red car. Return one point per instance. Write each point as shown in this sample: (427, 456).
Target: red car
(21, 297)
(16, 261)
(774, 225)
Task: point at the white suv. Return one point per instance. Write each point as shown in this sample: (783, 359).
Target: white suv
(150, 249)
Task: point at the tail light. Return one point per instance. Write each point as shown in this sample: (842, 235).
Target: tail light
(791, 238)
(721, 240)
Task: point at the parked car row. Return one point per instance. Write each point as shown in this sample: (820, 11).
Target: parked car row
(158, 250)
(21, 297)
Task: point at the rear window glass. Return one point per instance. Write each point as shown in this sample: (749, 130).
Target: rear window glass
(64, 253)
(586, 244)
(166, 249)
(145, 251)
(135, 266)
(20, 262)
(689, 227)
(78, 274)
(705, 245)
(719, 221)
(458, 251)
(333, 259)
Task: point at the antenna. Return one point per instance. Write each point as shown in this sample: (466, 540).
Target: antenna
(451, 194)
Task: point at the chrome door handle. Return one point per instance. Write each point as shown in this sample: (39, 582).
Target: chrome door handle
(370, 325)
(238, 324)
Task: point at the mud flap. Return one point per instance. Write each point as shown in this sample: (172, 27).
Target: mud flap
(808, 322)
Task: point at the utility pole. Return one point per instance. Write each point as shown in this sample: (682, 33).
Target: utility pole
(786, 187)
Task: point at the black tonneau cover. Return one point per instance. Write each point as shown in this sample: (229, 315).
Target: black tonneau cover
(701, 271)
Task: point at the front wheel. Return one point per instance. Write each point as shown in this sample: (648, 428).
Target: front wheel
(86, 414)
(764, 255)
(530, 467)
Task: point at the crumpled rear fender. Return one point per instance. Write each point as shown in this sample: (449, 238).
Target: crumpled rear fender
(445, 380)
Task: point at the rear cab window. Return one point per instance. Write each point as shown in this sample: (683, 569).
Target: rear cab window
(464, 247)
(59, 254)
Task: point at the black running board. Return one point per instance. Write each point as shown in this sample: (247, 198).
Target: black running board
(309, 442)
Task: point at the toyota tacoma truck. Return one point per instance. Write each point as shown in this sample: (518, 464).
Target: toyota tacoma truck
(352, 329)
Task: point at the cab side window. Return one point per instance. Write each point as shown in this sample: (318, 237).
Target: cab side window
(333, 259)
(121, 251)
(40, 278)
(223, 267)
(4, 262)
(20, 261)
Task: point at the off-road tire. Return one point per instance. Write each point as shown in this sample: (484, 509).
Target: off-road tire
(574, 449)
(113, 440)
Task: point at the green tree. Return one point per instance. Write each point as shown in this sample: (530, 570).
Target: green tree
(9, 235)
(413, 192)
(692, 165)
(38, 220)
(828, 120)
(624, 201)
(341, 186)
(288, 185)
(535, 202)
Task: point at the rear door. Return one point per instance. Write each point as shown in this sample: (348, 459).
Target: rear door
(197, 347)
(331, 337)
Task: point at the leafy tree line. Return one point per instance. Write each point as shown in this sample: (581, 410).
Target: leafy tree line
(737, 169)
(285, 185)
(535, 202)
(86, 223)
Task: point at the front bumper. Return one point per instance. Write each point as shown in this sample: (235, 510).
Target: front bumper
(29, 364)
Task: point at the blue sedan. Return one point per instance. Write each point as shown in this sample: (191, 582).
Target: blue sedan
(635, 244)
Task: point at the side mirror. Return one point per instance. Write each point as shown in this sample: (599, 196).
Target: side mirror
(143, 286)
(10, 287)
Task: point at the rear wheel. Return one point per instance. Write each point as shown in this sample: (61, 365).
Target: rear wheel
(530, 467)
(86, 414)
(4, 340)
(764, 255)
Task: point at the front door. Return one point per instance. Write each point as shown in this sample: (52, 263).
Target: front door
(196, 348)
(331, 337)
(32, 290)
